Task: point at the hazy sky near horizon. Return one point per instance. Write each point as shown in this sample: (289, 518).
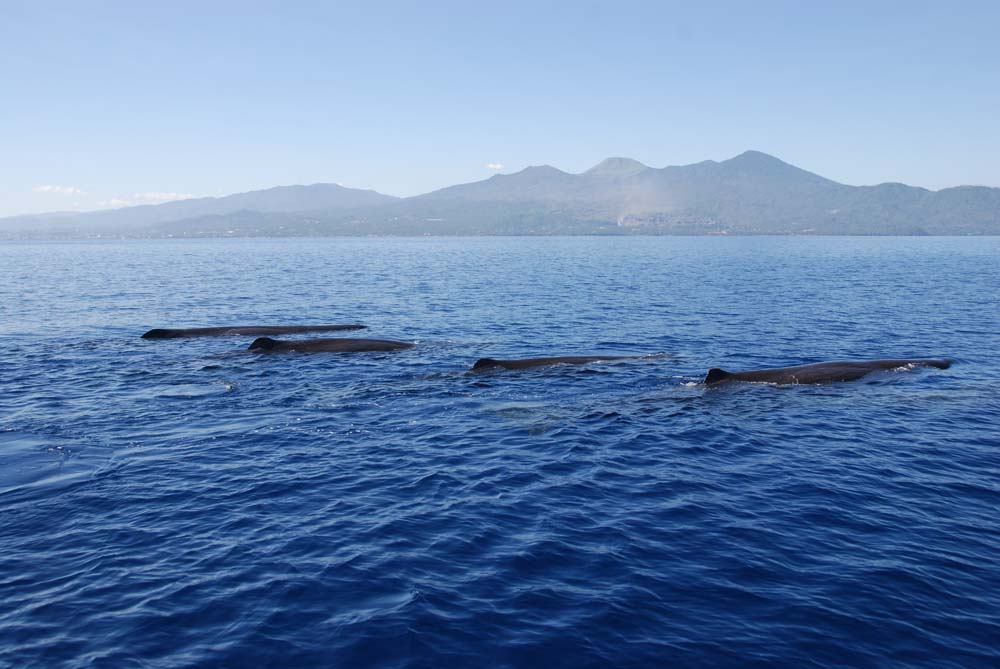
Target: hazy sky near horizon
(112, 103)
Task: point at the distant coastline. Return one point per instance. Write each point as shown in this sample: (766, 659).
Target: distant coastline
(750, 194)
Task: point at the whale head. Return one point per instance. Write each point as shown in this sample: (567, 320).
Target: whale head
(715, 375)
(157, 333)
(263, 343)
(486, 364)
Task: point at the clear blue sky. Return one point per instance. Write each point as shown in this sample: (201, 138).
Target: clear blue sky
(106, 102)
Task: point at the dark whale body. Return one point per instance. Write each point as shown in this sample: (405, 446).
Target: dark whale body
(821, 372)
(245, 330)
(487, 364)
(332, 345)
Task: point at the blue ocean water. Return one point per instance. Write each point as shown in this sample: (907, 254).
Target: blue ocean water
(186, 503)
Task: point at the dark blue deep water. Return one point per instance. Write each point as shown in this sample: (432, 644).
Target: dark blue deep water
(188, 504)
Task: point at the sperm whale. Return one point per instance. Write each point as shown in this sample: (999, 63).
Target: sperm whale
(246, 330)
(331, 345)
(487, 364)
(822, 372)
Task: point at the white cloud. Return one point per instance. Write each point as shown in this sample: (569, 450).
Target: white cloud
(114, 203)
(58, 190)
(494, 166)
(155, 197)
(135, 199)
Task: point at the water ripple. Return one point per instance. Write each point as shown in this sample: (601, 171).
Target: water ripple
(185, 503)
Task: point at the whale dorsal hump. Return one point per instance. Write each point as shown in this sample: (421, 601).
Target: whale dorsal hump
(715, 375)
(156, 333)
(265, 343)
(485, 363)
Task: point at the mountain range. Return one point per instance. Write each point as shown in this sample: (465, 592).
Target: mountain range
(752, 193)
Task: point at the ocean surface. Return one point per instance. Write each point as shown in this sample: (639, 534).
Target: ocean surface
(186, 503)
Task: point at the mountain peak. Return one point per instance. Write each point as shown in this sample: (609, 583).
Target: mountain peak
(755, 158)
(762, 164)
(616, 167)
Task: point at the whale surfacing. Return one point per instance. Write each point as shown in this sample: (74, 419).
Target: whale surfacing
(487, 364)
(331, 345)
(245, 330)
(821, 372)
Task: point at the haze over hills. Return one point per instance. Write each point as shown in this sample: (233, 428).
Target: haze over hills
(143, 220)
(752, 193)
